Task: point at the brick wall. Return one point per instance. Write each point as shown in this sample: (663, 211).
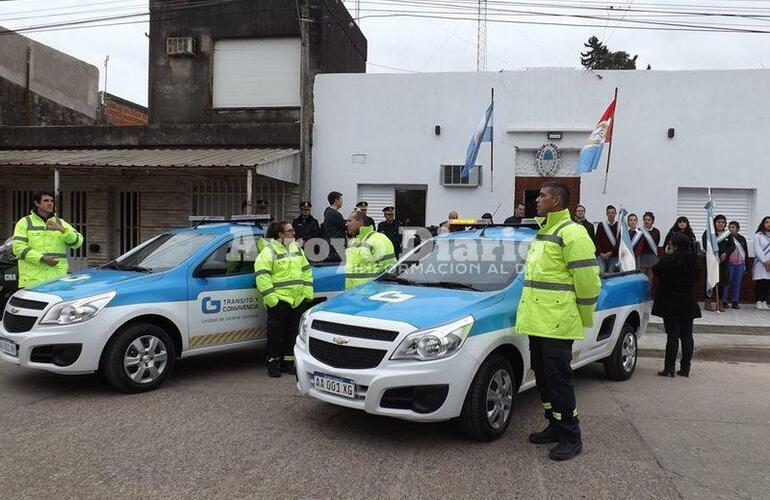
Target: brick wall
(120, 112)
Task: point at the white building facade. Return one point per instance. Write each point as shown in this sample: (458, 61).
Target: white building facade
(393, 139)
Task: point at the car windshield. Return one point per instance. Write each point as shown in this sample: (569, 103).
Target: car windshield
(482, 264)
(162, 253)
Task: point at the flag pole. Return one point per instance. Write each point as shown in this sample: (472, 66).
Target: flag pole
(609, 152)
(492, 148)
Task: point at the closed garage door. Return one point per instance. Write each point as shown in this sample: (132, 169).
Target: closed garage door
(378, 196)
(735, 204)
(257, 73)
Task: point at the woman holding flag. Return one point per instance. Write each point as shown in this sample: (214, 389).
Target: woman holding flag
(726, 246)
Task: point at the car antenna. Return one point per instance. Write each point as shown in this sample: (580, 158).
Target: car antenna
(203, 219)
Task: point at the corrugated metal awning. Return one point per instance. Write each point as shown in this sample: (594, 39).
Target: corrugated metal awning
(281, 164)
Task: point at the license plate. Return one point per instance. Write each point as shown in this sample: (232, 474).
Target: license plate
(335, 385)
(8, 346)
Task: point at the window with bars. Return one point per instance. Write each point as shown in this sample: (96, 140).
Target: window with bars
(129, 222)
(77, 215)
(22, 204)
(224, 197)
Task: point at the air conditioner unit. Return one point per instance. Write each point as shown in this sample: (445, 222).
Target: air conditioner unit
(451, 176)
(181, 46)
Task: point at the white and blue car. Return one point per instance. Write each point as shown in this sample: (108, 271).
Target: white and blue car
(182, 293)
(433, 338)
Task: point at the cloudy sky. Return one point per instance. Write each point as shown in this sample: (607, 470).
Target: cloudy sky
(415, 35)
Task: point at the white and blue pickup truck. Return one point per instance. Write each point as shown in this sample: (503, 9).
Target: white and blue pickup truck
(433, 338)
(182, 293)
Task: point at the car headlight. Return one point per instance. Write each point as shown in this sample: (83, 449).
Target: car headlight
(76, 311)
(436, 343)
(304, 325)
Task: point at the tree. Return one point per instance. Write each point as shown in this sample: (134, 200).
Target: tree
(598, 56)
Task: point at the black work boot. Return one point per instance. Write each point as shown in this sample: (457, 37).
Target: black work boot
(565, 450)
(548, 435)
(274, 368)
(288, 367)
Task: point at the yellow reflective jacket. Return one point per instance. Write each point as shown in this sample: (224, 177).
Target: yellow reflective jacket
(283, 274)
(367, 256)
(561, 280)
(32, 241)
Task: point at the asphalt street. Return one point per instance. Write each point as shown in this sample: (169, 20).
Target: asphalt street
(220, 428)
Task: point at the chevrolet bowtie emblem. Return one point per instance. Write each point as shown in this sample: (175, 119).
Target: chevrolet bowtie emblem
(14, 310)
(340, 340)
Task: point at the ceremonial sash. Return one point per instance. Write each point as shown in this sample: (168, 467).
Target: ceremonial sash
(608, 231)
(637, 236)
(722, 237)
(739, 249)
(650, 240)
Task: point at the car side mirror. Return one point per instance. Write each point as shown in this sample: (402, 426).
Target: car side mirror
(209, 269)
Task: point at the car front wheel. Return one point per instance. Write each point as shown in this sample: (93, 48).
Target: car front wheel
(489, 403)
(138, 358)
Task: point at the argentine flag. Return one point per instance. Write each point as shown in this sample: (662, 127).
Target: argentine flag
(482, 134)
(712, 250)
(626, 255)
(592, 151)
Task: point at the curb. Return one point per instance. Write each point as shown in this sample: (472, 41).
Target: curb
(719, 353)
(716, 328)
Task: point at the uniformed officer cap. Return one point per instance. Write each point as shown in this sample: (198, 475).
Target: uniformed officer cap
(305, 204)
(260, 202)
(362, 204)
(388, 210)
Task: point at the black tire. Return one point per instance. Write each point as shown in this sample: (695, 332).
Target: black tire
(117, 350)
(620, 365)
(473, 419)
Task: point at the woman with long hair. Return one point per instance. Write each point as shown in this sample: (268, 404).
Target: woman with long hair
(675, 301)
(736, 267)
(725, 246)
(649, 243)
(761, 271)
(682, 225)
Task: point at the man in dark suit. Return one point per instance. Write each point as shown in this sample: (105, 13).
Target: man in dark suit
(517, 216)
(305, 226)
(334, 224)
(580, 218)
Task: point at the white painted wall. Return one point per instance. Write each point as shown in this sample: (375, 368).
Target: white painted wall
(722, 122)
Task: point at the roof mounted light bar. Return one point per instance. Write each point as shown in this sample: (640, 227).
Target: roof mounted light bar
(197, 220)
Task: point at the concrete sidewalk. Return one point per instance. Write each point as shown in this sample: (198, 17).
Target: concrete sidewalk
(747, 320)
(714, 347)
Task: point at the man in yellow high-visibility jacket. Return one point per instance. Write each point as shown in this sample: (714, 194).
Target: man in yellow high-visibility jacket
(368, 254)
(285, 282)
(561, 289)
(40, 242)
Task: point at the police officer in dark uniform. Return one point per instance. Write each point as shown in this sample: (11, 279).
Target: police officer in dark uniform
(390, 227)
(362, 207)
(305, 226)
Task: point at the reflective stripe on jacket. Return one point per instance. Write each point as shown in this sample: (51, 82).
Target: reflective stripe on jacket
(561, 281)
(283, 274)
(32, 241)
(368, 255)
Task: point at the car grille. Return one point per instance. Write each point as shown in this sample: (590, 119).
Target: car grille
(354, 331)
(28, 304)
(339, 356)
(14, 323)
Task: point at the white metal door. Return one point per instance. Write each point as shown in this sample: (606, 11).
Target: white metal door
(378, 196)
(735, 204)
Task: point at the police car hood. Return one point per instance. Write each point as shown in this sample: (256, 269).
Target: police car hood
(422, 307)
(95, 282)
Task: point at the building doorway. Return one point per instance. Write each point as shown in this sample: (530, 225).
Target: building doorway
(527, 189)
(410, 206)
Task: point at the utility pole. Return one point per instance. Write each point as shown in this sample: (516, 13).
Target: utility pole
(481, 37)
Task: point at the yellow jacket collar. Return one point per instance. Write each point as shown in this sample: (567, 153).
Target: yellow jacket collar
(553, 218)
